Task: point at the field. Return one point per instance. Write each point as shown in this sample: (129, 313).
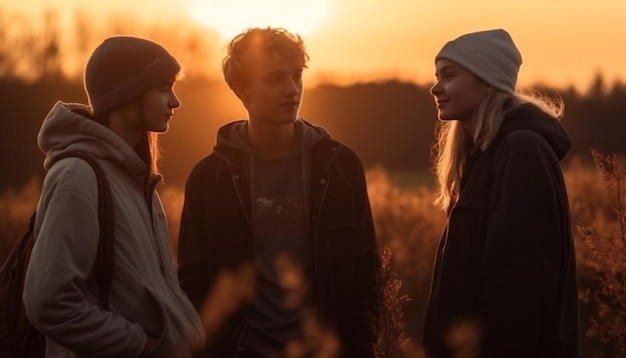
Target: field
(408, 226)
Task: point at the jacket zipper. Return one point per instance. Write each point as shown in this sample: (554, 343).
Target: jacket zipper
(325, 182)
(315, 235)
(235, 178)
(155, 238)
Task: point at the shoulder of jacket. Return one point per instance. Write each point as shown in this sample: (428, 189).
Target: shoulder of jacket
(71, 175)
(332, 152)
(522, 140)
(72, 169)
(329, 147)
(209, 166)
(209, 160)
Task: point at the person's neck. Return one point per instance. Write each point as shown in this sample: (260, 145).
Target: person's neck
(124, 128)
(272, 140)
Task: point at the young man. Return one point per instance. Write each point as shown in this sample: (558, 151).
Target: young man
(279, 194)
(129, 82)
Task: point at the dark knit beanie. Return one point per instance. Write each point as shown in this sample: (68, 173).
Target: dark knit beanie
(123, 68)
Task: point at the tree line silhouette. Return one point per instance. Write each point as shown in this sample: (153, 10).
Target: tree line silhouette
(389, 123)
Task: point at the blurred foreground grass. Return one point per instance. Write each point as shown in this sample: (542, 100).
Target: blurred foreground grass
(409, 226)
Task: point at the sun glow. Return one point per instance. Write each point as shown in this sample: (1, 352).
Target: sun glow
(230, 17)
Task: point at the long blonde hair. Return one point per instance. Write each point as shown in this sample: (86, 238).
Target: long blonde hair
(454, 142)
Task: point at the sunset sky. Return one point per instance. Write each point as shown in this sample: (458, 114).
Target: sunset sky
(562, 41)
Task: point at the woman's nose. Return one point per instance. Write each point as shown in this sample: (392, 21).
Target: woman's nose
(174, 101)
(435, 88)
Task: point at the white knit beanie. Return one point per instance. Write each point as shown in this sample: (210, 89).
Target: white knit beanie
(491, 55)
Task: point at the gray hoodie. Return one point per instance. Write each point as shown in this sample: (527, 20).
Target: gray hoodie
(61, 292)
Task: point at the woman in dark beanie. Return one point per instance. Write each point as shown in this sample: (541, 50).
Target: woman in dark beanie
(504, 283)
(129, 82)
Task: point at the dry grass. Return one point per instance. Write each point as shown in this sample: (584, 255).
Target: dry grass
(408, 227)
(604, 260)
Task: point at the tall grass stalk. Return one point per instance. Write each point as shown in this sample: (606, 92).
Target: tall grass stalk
(607, 262)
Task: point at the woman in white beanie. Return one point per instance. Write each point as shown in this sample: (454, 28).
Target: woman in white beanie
(129, 82)
(504, 282)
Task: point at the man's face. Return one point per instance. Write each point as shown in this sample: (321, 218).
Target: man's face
(274, 89)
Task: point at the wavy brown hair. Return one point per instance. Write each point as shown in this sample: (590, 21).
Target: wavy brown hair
(242, 49)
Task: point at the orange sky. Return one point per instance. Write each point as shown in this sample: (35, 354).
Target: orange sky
(562, 41)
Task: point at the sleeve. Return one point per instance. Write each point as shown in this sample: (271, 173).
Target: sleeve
(193, 239)
(58, 298)
(519, 273)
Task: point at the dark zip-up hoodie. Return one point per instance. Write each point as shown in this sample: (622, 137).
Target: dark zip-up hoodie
(219, 230)
(279, 194)
(505, 271)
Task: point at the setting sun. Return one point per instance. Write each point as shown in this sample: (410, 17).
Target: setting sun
(230, 17)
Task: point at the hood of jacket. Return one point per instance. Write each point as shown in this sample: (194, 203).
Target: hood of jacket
(530, 117)
(67, 128)
(234, 135)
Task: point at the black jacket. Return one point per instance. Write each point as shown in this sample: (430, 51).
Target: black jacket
(216, 235)
(505, 266)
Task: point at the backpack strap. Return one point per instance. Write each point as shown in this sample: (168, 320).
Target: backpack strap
(104, 257)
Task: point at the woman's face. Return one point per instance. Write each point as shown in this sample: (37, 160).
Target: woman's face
(158, 107)
(151, 112)
(457, 91)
